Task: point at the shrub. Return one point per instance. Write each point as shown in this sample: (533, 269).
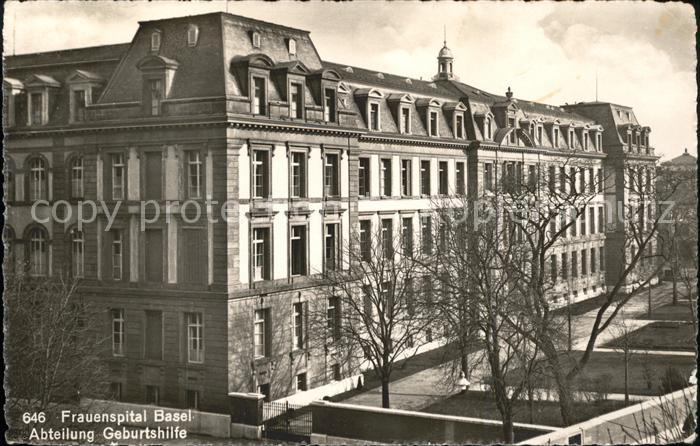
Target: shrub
(673, 380)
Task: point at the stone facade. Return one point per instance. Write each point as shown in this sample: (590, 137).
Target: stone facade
(204, 110)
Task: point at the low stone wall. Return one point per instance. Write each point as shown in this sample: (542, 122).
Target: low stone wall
(335, 423)
(318, 393)
(206, 423)
(657, 420)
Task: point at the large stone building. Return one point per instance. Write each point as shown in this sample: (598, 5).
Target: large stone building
(204, 110)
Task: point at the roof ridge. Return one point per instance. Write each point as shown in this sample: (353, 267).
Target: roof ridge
(376, 71)
(227, 14)
(43, 53)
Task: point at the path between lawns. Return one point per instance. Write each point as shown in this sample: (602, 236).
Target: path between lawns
(421, 389)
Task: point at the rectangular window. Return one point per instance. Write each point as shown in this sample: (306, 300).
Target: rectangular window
(156, 91)
(572, 180)
(333, 317)
(539, 135)
(152, 395)
(363, 177)
(511, 136)
(374, 116)
(425, 178)
(153, 251)
(195, 337)
(298, 326)
(192, 399)
(301, 382)
(366, 240)
(591, 219)
(562, 179)
(331, 183)
(582, 180)
(79, 105)
(459, 126)
(154, 175)
(564, 266)
(118, 332)
(192, 255)
(426, 230)
(584, 262)
(259, 95)
(298, 168)
(601, 219)
(385, 179)
(118, 176)
(296, 101)
(405, 120)
(407, 236)
(387, 237)
(488, 176)
(553, 267)
(117, 254)
(532, 177)
(329, 105)
(260, 335)
(460, 183)
(332, 246)
(115, 391)
(584, 135)
(600, 180)
(571, 141)
(433, 123)
(297, 241)
(591, 178)
(37, 104)
(261, 174)
(153, 335)
(593, 261)
(78, 253)
(582, 219)
(194, 174)
(261, 254)
(442, 177)
(574, 264)
(406, 171)
(555, 137)
(552, 179)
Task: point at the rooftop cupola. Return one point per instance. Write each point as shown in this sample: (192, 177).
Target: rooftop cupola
(445, 60)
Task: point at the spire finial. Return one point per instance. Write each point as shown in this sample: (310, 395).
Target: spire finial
(509, 94)
(444, 34)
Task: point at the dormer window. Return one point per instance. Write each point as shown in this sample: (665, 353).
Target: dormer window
(256, 39)
(329, 103)
(155, 40)
(36, 106)
(584, 135)
(599, 142)
(433, 123)
(374, 116)
(555, 136)
(292, 45)
(405, 122)
(156, 92)
(571, 141)
(296, 101)
(539, 134)
(511, 136)
(459, 126)
(79, 103)
(192, 35)
(487, 128)
(259, 96)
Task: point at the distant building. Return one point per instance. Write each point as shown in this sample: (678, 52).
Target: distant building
(230, 109)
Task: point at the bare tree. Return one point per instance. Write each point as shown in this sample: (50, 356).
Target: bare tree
(370, 312)
(52, 344)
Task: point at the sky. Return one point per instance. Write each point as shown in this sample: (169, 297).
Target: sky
(642, 54)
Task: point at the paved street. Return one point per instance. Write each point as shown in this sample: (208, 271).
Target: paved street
(428, 386)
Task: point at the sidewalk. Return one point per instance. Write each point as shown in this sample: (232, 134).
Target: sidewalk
(424, 388)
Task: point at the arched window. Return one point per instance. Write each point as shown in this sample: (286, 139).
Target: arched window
(78, 253)
(256, 39)
(38, 252)
(37, 179)
(76, 178)
(487, 128)
(192, 35)
(155, 40)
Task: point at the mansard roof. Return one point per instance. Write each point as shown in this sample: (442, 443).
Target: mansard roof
(94, 54)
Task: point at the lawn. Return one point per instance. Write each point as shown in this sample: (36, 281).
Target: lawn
(670, 312)
(605, 372)
(482, 405)
(663, 335)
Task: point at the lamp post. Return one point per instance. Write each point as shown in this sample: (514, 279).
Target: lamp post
(463, 383)
(568, 316)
